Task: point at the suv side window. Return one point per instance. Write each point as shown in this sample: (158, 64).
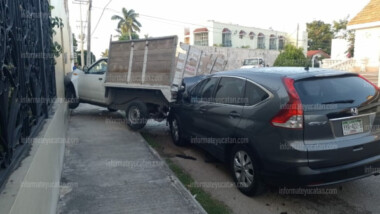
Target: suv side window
(99, 68)
(208, 89)
(254, 94)
(230, 90)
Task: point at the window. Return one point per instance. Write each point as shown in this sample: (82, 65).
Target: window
(230, 91)
(251, 35)
(281, 43)
(201, 39)
(272, 42)
(99, 68)
(208, 89)
(254, 94)
(351, 90)
(226, 37)
(242, 34)
(261, 41)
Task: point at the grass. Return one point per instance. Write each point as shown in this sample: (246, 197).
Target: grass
(205, 199)
(212, 206)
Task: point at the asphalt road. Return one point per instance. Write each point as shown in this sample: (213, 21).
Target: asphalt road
(361, 196)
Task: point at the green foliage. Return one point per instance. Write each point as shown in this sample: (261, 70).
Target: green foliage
(340, 31)
(75, 43)
(218, 45)
(246, 46)
(320, 36)
(56, 48)
(125, 37)
(128, 23)
(79, 60)
(205, 199)
(291, 56)
(105, 53)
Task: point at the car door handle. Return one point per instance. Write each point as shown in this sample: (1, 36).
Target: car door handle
(234, 114)
(100, 78)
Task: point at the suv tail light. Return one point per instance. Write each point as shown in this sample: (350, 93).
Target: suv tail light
(291, 115)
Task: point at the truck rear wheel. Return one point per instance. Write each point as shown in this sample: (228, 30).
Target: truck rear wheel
(137, 115)
(71, 97)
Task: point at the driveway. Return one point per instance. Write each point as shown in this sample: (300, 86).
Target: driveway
(361, 196)
(110, 169)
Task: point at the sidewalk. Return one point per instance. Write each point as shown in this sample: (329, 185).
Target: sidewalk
(110, 169)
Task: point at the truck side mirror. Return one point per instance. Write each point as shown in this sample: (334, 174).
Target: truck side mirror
(186, 96)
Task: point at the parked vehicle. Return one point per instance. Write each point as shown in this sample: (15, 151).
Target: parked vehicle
(256, 62)
(282, 126)
(137, 78)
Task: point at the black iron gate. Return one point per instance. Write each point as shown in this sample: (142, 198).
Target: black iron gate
(27, 80)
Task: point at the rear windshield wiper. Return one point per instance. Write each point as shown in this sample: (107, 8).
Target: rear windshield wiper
(339, 101)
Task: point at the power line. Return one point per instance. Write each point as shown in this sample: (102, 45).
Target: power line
(101, 15)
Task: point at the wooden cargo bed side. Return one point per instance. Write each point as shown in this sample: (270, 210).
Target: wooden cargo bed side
(152, 62)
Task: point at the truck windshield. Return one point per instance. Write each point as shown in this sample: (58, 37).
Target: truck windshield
(251, 62)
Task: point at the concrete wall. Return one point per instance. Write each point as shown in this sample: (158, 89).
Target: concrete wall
(367, 45)
(64, 38)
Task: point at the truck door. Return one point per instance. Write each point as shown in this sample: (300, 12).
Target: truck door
(91, 84)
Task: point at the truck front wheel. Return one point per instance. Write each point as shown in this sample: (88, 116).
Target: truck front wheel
(137, 115)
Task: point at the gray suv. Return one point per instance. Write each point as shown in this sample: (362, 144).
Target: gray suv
(282, 126)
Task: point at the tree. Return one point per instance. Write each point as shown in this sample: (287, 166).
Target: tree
(93, 58)
(340, 31)
(320, 36)
(126, 37)
(128, 23)
(105, 53)
(291, 56)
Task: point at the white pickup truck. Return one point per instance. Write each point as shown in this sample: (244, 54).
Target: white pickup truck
(140, 77)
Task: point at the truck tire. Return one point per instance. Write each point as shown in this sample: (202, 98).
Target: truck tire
(137, 115)
(71, 97)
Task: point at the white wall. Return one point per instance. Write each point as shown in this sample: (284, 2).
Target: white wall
(367, 45)
(61, 10)
(339, 48)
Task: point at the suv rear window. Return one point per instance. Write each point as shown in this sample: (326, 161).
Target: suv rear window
(335, 90)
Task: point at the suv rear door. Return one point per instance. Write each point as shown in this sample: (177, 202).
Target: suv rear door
(341, 114)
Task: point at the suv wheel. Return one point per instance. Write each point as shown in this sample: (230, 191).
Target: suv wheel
(244, 171)
(137, 115)
(176, 132)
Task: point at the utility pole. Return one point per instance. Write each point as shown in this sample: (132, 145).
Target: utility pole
(89, 34)
(298, 29)
(81, 36)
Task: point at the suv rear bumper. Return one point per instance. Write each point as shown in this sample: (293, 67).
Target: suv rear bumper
(306, 176)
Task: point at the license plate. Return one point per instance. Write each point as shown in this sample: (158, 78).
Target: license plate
(352, 126)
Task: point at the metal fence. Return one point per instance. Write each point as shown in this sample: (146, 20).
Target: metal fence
(27, 77)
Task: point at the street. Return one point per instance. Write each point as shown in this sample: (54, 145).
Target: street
(359, 196)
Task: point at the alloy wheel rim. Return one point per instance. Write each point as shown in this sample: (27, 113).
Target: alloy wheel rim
(243, 169)
(134, 115)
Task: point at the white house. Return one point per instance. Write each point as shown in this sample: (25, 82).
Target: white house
(367, 36)
(237, 36)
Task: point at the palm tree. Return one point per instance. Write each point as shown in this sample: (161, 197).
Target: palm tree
(128, 23)
(105, 53)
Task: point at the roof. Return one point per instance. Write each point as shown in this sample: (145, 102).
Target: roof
(370, 13)
(311, 53)
(200, 30)
(292, 72)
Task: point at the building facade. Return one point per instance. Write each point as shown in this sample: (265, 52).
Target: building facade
(367, 35)
(236, 36)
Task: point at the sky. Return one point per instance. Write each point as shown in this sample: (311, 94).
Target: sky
(170, 17)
